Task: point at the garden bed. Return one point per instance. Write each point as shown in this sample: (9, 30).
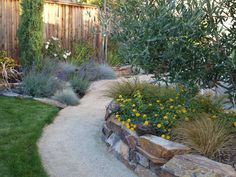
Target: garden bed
(150, 155)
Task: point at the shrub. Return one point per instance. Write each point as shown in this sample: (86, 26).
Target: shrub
(39, 84)
(67, 96)
(162, 108)
(8, 70)
(82, 52)
(180, 41)
(54, 50)
(113, 58)
(204, 135)
(64, 70)
(80, 85)
(30, 33)
(94, 71)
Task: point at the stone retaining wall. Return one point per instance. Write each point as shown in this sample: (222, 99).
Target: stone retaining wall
(150, 156)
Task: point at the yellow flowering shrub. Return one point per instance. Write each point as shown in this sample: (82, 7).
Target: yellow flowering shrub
(163, 112)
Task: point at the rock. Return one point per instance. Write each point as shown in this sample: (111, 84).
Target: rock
(10, 94)
(129, 137)
(144, 172)
(106, 131)
(155, 160)
(144, 130)
(198, 166)
(112, 139)
(114, 125)
(51, 102)
(142, 160)
(161, 148)
(111, 108)
(122, 150)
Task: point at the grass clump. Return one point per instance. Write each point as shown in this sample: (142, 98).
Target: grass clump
(67, 96)
(39, 84)
(79, 85)
(22, 121)
(203, 134)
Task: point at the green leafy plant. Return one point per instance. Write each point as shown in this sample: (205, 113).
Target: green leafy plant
(80, 85)
(82, 52)
(54, 50)
(204, 135)
(30, 33)
(184, 42)
(113, 57)
(67, 96)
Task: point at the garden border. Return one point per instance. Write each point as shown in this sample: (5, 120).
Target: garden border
(150, 155)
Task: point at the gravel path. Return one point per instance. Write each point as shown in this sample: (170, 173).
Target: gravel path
(72, 147)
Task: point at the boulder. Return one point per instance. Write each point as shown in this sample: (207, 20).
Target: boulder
(111, 108)
(144, 172)
(189, 165)
(161, 148)
(122, 150)
(114, 125)
(106, 131)
(112, 140)
(129, 137)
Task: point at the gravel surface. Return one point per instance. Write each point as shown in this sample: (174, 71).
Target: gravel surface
(72, 147)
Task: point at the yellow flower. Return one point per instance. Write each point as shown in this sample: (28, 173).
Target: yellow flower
(186, 119)
(171, 100)
(144, 116)
(117, 116)
(171, 107)
(128, 120)
(118, 119)
(117, 100)
(158, 125)
(184, 110)
(162, 108)
(134, 126)
(120, 96)
(134, 110)
(214, 116)
(127, 126)
(156, 115)
(133, 105)
(168, 137)
(132, 129)
(163, 136)
(234, 123)
(165, 117)
(137, 114)
(150, 104)
(158, 101)
(145, 123)
(123, 122)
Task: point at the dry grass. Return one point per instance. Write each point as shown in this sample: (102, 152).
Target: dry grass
(204, 135)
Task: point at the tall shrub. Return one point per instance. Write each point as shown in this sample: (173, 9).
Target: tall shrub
(30, 32)
(181, 42)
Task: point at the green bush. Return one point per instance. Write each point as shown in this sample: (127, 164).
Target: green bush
(54, 50)
(30, 33)
(80, 85)
(39, 84)
(82, 52)
(67, 96)
(113, 57)
(180, 42)
(163, 108)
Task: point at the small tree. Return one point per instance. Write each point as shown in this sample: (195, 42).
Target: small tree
(30, 33)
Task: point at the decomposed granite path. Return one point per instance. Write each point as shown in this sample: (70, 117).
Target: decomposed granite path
(72, 147)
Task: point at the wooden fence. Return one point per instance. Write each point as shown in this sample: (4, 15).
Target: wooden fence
(66, 21)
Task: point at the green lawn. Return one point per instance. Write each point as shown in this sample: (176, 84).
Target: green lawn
(21, 124)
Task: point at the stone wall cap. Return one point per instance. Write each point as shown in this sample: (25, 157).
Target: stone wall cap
(168, 145)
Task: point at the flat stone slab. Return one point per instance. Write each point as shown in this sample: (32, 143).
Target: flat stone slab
(161, 148)
(51, 102)
(189, 165)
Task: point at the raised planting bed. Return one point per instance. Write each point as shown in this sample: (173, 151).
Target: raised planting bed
(149, 155)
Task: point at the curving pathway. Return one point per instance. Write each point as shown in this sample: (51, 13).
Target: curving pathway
(72, 147)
